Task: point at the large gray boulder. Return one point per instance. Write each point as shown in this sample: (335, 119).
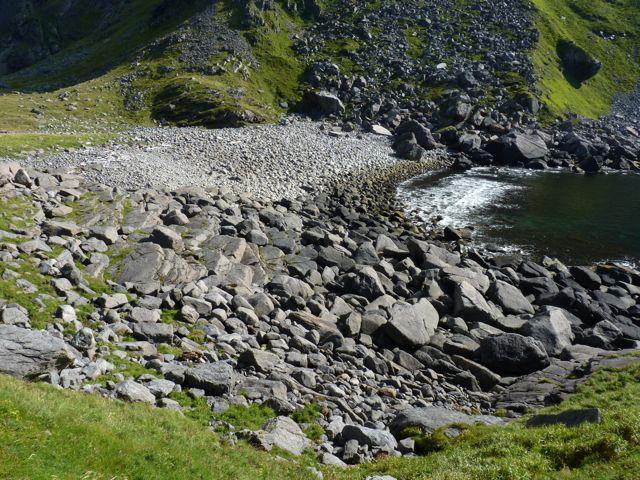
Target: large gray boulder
(364, 281)
(286, 286)
(153, 331)
(149, 263)
(259, 359)
(512, 353)
(522, 148)
(469, 304)
(412, 325)
(215, 378)
(167, 238)
(369, 436)
(27, 354)
(429, 419)
(509, 298)
(282, 432)
(134, 392)
(324, 103)
(552, 328)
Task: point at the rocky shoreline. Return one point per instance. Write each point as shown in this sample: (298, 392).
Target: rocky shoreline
(337, 299)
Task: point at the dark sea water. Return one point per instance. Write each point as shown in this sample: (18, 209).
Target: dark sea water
(579, 219)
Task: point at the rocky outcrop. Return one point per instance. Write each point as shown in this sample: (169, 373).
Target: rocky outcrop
(28, 354)
(578, 65)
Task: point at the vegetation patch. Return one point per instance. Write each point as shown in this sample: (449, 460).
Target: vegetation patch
(48, 433)
(12, 144)
(112, 439)
(607, 31)
(252, 417)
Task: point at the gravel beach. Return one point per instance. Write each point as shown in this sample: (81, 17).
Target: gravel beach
(269, 161)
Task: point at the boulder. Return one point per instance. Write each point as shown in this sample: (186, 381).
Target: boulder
(552, 328)
(423, 136)
(149, 263)
(282, 432)
(371, 437)
(586, 277)
(522, 148)
(364, 281)
(107, 234)
(412, 325)
(27, 354)
(327, 327)
(259, 359)
(603, 335)
(286, 286)
(134, 392)
(215, 378)
(15, 315)
(58, 228)
(509, 298)
(167, 238)
(469, 304)
(406, 146)
(153, 331)
(512, 353)
(380, 130)
(429, 419)
(324, 103)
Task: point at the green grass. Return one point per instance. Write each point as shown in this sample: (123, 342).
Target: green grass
(46, 433)
(92, 50)
(252, 417)
(126, 367)
(209, 100)
(12, 144)
(417, 38)
(610, 450)
(579, 21)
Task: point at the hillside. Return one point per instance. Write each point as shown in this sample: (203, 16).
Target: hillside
(81, 66)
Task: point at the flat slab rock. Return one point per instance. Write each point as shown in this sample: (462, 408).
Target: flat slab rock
(432, 418)
(27, 353)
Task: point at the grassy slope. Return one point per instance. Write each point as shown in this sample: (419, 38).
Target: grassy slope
(579, 20)
(46, 432)
(12, 144)
(97, 104)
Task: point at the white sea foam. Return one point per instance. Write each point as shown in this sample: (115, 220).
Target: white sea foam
(458, 199)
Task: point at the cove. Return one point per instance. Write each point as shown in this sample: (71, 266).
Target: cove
(581, 219)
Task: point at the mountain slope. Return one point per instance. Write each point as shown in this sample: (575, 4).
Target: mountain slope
(224, 66)
(78, 66)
